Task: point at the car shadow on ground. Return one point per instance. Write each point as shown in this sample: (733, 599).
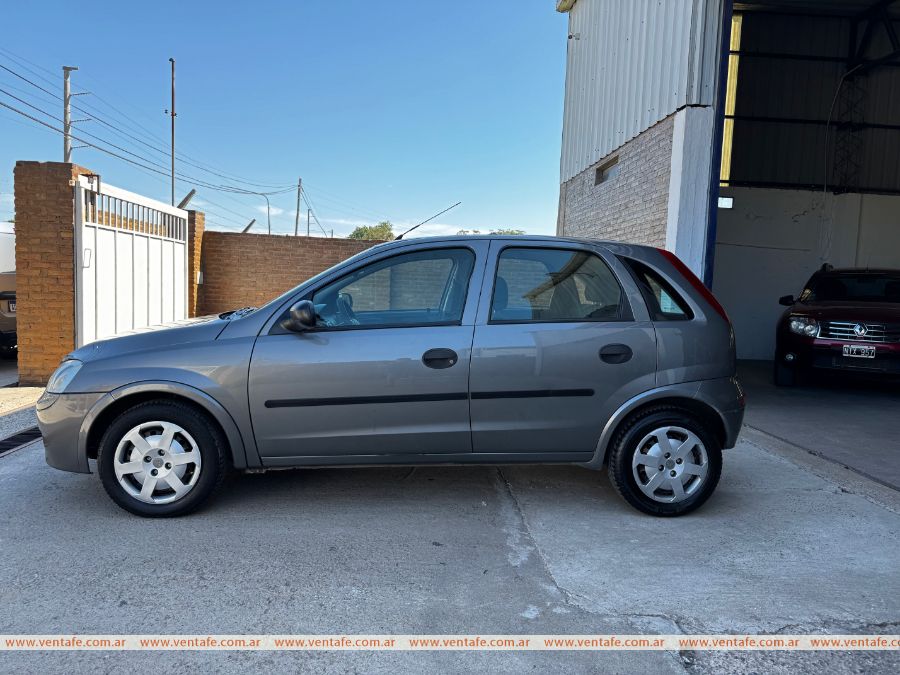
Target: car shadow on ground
(336, 487)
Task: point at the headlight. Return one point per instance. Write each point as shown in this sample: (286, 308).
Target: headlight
(804, 325)
(62, 376)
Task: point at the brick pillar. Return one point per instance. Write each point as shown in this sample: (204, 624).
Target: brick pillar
(45, 266)
(196, 225)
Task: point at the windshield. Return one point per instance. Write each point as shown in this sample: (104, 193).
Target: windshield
(850, 287)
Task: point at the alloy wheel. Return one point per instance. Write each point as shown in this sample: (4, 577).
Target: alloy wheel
(670, 464)
(157, 462)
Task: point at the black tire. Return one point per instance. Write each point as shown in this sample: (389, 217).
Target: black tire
(211, 444)
(783, 376)
(626, 443)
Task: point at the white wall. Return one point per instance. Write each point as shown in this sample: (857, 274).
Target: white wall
(771, 241)
(688, 206)
(7, 247)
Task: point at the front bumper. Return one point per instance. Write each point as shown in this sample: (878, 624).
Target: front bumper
(61, 424)
(822, 353)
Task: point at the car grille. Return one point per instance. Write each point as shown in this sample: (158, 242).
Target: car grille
(846, 330)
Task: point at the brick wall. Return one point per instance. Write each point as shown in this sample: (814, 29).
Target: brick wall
(242, 270)
(45, 274)
(630, 206)
(196, 227)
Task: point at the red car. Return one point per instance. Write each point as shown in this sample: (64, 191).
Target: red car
(846, 320)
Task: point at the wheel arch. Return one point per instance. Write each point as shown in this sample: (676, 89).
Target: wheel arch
(685, 396)
(118, 400)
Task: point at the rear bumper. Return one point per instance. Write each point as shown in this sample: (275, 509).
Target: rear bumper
(61, 426)
(726, 396)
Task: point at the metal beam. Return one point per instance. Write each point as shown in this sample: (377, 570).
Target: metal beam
(814, 122)
(780, 56)
(810, 186)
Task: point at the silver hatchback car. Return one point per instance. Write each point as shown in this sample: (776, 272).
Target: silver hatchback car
(455, 350)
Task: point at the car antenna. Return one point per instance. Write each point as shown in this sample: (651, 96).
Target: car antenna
(402, 234)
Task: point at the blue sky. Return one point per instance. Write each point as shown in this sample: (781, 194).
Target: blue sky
(386, 109)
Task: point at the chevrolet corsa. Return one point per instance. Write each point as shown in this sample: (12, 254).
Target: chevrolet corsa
(456, 350)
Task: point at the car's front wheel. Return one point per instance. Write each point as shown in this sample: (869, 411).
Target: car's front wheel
(161, 458)
(664, 461)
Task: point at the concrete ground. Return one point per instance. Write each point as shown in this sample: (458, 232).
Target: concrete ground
(849, 420)
(780, 547)
(9, 372)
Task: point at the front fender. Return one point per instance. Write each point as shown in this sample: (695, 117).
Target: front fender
(239, 449)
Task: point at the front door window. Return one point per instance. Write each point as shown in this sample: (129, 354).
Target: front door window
(424, 288)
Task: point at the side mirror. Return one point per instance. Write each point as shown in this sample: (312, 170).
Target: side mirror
(302, 317)
(786, 300)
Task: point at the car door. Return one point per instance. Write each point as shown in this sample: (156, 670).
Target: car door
(559, 343)
(385, 371)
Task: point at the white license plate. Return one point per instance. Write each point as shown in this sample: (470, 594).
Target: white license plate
(859, 351)
(12, 305)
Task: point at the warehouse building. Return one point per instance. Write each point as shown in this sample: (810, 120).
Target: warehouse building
(757, 140)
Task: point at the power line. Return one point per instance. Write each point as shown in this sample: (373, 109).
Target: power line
(186, 159)
(313, 211)
(150, 166)
(105, 123)
(198, 181)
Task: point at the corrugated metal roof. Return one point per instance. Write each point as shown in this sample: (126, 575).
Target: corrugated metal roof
(769, 89)
(630, 65)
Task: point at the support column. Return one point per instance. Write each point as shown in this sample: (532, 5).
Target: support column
(45, 266)
(688, 217)
(196, 227)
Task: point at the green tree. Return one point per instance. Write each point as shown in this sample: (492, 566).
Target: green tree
(383, 231)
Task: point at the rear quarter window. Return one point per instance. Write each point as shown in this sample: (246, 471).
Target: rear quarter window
(663, 301)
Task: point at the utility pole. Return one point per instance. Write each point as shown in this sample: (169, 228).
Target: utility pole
(67, 114)
(297, 212)
(268, 211)
(308, 211)
(172, 115)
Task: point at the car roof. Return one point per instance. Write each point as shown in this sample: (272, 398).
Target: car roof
(508, 237)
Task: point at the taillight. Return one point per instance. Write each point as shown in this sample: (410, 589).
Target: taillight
(698, 285)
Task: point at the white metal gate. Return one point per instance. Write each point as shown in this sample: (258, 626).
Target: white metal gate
(130, 261)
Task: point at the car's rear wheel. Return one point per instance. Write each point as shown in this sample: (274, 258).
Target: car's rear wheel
(664, 461)
(161, 458)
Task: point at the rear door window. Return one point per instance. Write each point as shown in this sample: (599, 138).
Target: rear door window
(549, 284)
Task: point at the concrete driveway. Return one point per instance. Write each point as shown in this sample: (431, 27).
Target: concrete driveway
(532, 550)
(851, 421)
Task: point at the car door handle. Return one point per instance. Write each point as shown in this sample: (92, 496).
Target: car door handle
(616, 353)
(440, 358)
